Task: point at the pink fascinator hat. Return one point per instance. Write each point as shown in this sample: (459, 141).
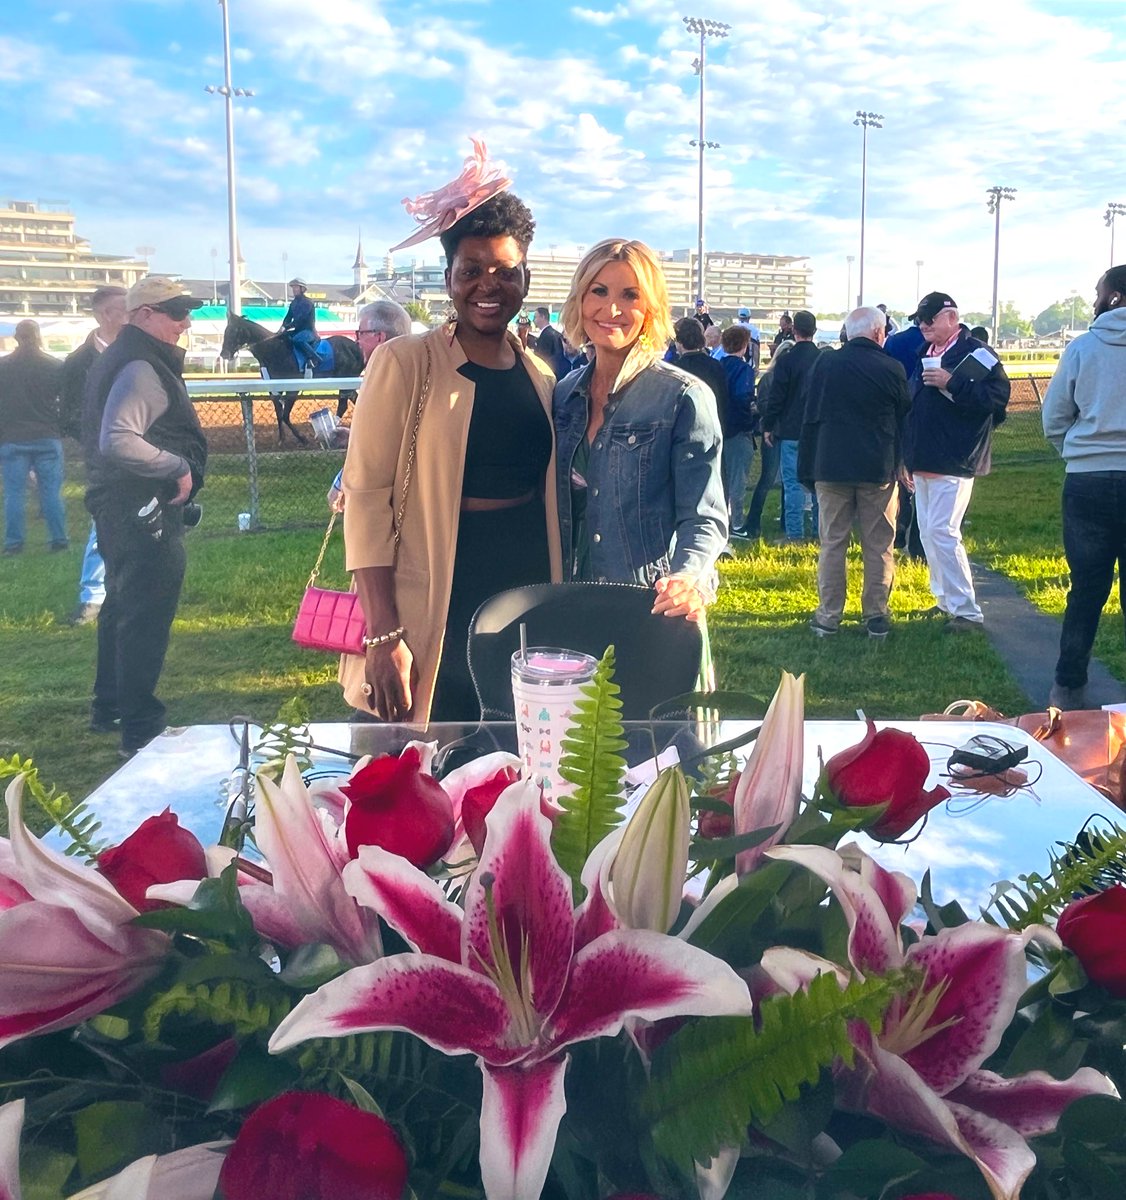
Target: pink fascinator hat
(436, 211)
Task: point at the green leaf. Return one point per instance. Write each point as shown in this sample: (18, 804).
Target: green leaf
(869, 1167)
(109, 1133)
(724, 931)
(252, 1077)
(590, 762)
(1095, 1121)
(312, 965)
(714, 1077)
(710, 849)
(73, 819)
(44, 1171)
(215, 913)
(361, 1097)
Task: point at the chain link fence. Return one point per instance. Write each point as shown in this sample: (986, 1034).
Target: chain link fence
(279, 476)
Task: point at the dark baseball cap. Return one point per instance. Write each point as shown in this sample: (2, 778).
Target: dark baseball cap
(931, 305)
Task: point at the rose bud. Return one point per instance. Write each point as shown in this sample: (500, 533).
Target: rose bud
(478, 803)
(1094, 930)
(720, 825)
(396, 806)
(886, 767)
(159, 850)
(303, 1144)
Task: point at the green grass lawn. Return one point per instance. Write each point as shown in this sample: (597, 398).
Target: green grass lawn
(231, 651)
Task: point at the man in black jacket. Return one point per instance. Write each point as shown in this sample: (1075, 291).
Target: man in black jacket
(856, 403)
(145, 457)
(693, 357)
(955, 403)
(782, 418)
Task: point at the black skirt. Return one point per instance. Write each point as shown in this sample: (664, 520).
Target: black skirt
(496, 550)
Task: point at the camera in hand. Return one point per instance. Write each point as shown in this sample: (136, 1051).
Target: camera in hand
(151, 516)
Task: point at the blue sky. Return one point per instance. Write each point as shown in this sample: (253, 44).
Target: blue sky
(359, 103)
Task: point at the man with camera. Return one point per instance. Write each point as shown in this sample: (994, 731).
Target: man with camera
(145, 458)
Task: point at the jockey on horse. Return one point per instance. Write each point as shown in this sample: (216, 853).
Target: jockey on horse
(300, 324)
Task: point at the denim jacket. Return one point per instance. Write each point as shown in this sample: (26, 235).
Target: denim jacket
(655, 501)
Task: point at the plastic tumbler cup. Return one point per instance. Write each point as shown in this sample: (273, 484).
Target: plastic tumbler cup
(243, 522)
(324, 426)
(545, 687)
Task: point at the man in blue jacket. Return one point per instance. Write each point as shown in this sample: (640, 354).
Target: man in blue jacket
(955, 404)
(300, 322)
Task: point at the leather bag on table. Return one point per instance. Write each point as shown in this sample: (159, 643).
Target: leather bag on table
(1091, 742)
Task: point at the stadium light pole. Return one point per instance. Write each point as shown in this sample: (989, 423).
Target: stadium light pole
(706, 29)
(996, 196)
(918, 277)
(229, 92)
(850, 259)
(1113, 210)
(866, 121)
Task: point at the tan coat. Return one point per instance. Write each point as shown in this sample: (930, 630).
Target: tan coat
(373, 485)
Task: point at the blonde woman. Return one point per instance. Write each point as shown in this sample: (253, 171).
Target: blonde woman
(638, 441)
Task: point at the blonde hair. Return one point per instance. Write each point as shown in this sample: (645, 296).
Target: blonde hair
(646, 266)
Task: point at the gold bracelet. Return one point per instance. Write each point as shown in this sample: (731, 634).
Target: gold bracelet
(396, 635)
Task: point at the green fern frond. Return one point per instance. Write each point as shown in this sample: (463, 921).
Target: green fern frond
(717, 1076)
(287, 734)
(75, 820)
(591, 762)
(233, 1004)
(1092, 862)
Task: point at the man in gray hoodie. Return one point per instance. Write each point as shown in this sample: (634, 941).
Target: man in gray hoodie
(1085, 419)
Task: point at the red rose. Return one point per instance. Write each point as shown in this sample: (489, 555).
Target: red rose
(1094, 930)
(478, 803)
(720, 825)
(305, 1144)
(396, 806)
(889, 767)
(199, 1076)
(159, 850)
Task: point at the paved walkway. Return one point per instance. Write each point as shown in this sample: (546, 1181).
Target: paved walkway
(1028, 642)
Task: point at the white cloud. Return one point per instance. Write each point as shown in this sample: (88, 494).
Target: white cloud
(600, 17)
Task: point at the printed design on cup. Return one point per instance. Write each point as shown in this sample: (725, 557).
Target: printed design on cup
(546, 682)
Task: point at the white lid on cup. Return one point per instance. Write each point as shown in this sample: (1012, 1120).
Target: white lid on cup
(546, 666)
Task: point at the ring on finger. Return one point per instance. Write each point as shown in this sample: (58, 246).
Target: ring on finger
(367, 689)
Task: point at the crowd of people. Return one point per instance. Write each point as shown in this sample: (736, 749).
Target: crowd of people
(497, 451)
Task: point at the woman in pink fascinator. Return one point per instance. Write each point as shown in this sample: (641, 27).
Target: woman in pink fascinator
(450, 468)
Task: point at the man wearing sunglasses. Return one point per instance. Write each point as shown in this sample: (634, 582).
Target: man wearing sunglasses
(145, 457)
(959, 392)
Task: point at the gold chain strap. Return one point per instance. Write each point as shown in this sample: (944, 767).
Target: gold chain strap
(320, 557)
(411, 453)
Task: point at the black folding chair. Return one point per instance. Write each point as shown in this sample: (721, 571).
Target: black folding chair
(656, 657)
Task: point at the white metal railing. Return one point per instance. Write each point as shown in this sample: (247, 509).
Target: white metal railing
(252, 385)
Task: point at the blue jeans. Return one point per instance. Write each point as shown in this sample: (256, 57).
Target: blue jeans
(92, 585)
(768, 477)
(795, 494)
(17, 460)
(1094, 539)
(738, 454)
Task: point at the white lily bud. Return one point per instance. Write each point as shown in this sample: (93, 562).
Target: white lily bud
(647, 872)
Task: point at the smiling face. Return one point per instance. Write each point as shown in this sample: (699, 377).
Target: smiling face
(487, 282)
(941, 327)
(613, 308)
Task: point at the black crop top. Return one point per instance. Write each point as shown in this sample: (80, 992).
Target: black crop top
(509, 442)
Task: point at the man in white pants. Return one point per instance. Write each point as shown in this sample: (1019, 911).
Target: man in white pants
(954, 406)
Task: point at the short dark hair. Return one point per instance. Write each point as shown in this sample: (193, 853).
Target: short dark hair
(1116, 279)
(981, 333)
(102, 294)
(27, 333)
(502, 215)
(543, 311)
(805, 323)
(689, 333)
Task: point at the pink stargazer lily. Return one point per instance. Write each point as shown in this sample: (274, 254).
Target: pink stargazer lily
(512, 980)
(11, 1126)
(769, 787)
(306, 853)
(68, 949)
(922, 1072)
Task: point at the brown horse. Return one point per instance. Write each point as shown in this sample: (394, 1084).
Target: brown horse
(276, 359)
